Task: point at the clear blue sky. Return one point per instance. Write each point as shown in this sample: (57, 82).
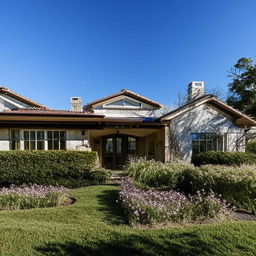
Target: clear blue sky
(51, 50)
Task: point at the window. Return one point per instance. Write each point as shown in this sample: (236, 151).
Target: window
(202, 142)
(124, 103)
(56, 140)
(131, 145)
(15, 140)
(109, 145)
(34, 140)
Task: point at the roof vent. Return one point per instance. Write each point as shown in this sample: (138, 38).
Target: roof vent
(195, 90)
(76, 104)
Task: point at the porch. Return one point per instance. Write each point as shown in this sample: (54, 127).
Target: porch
(116, 145)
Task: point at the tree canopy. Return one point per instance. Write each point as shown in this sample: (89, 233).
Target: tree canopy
(242, 89)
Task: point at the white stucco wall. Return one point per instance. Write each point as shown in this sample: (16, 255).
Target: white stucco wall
(204, 119)
(77, 141)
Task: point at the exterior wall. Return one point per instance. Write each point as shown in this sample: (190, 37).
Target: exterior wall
(203, 119)
(77, 141)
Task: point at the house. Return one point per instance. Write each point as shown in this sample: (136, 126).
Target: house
(124, 124)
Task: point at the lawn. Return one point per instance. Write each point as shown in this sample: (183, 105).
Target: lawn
(94, 225)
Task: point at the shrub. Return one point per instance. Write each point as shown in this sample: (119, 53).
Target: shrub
(223, 158)
(155, 174)
(70, 168)
(99, 176)
(251, 147)
(154, 206)
(32, 196)
(235, 184)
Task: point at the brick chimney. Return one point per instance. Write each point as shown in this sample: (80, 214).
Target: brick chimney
(76, 104)
(195, 90)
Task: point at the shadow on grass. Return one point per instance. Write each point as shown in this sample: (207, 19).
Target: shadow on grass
(182, 244)
(111, 209)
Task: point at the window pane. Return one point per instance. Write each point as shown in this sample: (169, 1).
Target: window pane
(15, 134)
(109, 145)
(26, 135)
(56, 135)
(131, 145)
(62, 135)
(119, 145)
(63, 145)
(26, 145)
(40, 135)
(40, 145)
(32, 135)
(49, 135)
(56, 144)
(50, 145)
(32, 145)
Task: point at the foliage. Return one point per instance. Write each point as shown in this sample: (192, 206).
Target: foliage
(154, 206)
(236, 184)
(99, 176)
(156, 174)
(69, 168)
(95, 225)
(223, 158)
(243, 86)
(251, 147)
(32, 196)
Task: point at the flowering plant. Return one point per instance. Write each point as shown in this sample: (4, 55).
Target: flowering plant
(154, 206)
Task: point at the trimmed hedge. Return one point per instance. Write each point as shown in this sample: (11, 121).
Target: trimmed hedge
(67, 168)
(223, 158)
(251, 147)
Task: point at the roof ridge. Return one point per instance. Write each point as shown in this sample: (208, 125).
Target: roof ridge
(20, 97)
(124, 92)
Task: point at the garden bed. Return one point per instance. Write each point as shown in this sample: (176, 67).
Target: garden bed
(33, 196)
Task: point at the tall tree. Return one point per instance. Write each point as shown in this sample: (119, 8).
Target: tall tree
(242, 89)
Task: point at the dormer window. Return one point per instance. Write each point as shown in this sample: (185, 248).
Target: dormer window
(123, 103)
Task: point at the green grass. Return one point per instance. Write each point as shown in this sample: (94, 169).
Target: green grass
(94, 225)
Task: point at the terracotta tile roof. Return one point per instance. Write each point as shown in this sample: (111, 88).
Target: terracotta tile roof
(127, 93)
(10, 93)
(48, 112)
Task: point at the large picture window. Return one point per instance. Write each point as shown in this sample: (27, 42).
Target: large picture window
(202, 142)
(37, 140)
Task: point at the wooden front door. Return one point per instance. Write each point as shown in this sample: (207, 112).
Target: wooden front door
(116, 150)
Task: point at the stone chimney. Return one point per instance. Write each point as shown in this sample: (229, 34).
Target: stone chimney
(195, 90)
(76, 104)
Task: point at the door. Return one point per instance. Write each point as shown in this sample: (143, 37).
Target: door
(116, 150)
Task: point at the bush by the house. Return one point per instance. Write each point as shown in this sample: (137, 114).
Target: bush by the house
(99, 176)
(251, 147)
(156, 174)
(236, 184)
(223, 158)
(68, 168)
(154, 206)
(32, 196)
